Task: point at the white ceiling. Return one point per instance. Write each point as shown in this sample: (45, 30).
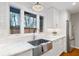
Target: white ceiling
(59, 5)
(64, 6)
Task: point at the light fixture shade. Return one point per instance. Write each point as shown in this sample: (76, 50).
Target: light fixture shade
(37, 7)
(74, 3)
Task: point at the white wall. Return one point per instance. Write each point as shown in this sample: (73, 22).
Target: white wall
(52, 17)
(4, 24)
(4, 20)
(48, 14)
(75, 23)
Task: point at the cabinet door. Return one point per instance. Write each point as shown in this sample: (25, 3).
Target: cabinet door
(25, 53)
(58, 46)
(56, 18)
(64, 44)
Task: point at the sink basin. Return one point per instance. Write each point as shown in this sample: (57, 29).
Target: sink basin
(37, 50)
(38, 42)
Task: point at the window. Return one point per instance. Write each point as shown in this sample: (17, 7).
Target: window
(14, 20)
(30, 22)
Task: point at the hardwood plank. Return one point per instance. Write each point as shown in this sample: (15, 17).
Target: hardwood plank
(74, 52)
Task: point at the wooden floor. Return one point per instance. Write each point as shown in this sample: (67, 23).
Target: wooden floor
(74, 52)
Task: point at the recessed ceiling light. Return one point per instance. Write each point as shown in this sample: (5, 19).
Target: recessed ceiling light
(74, 3)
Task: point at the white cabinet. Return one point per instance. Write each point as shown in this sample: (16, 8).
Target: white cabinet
(65, 44)
(56, 18)
(25, 53)
(58, 48)
(49, 18)
(53, 16)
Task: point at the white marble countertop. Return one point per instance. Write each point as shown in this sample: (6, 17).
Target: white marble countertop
(52, 38)
(7, 49)
(14, 48)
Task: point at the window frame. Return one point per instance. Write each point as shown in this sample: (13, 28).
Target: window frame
(15, 11)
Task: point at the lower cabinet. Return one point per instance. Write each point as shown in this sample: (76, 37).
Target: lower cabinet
(58, 48)
(25, 53)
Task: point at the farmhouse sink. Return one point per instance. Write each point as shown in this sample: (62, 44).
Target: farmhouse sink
(38, 42)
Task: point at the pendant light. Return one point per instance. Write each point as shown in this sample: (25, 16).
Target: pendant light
(37, 7)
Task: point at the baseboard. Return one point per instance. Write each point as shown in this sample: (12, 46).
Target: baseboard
(61, 53)
(70, 51)
(76, 47)
(72, 46)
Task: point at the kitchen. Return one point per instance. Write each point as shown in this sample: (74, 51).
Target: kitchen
(21, 24)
